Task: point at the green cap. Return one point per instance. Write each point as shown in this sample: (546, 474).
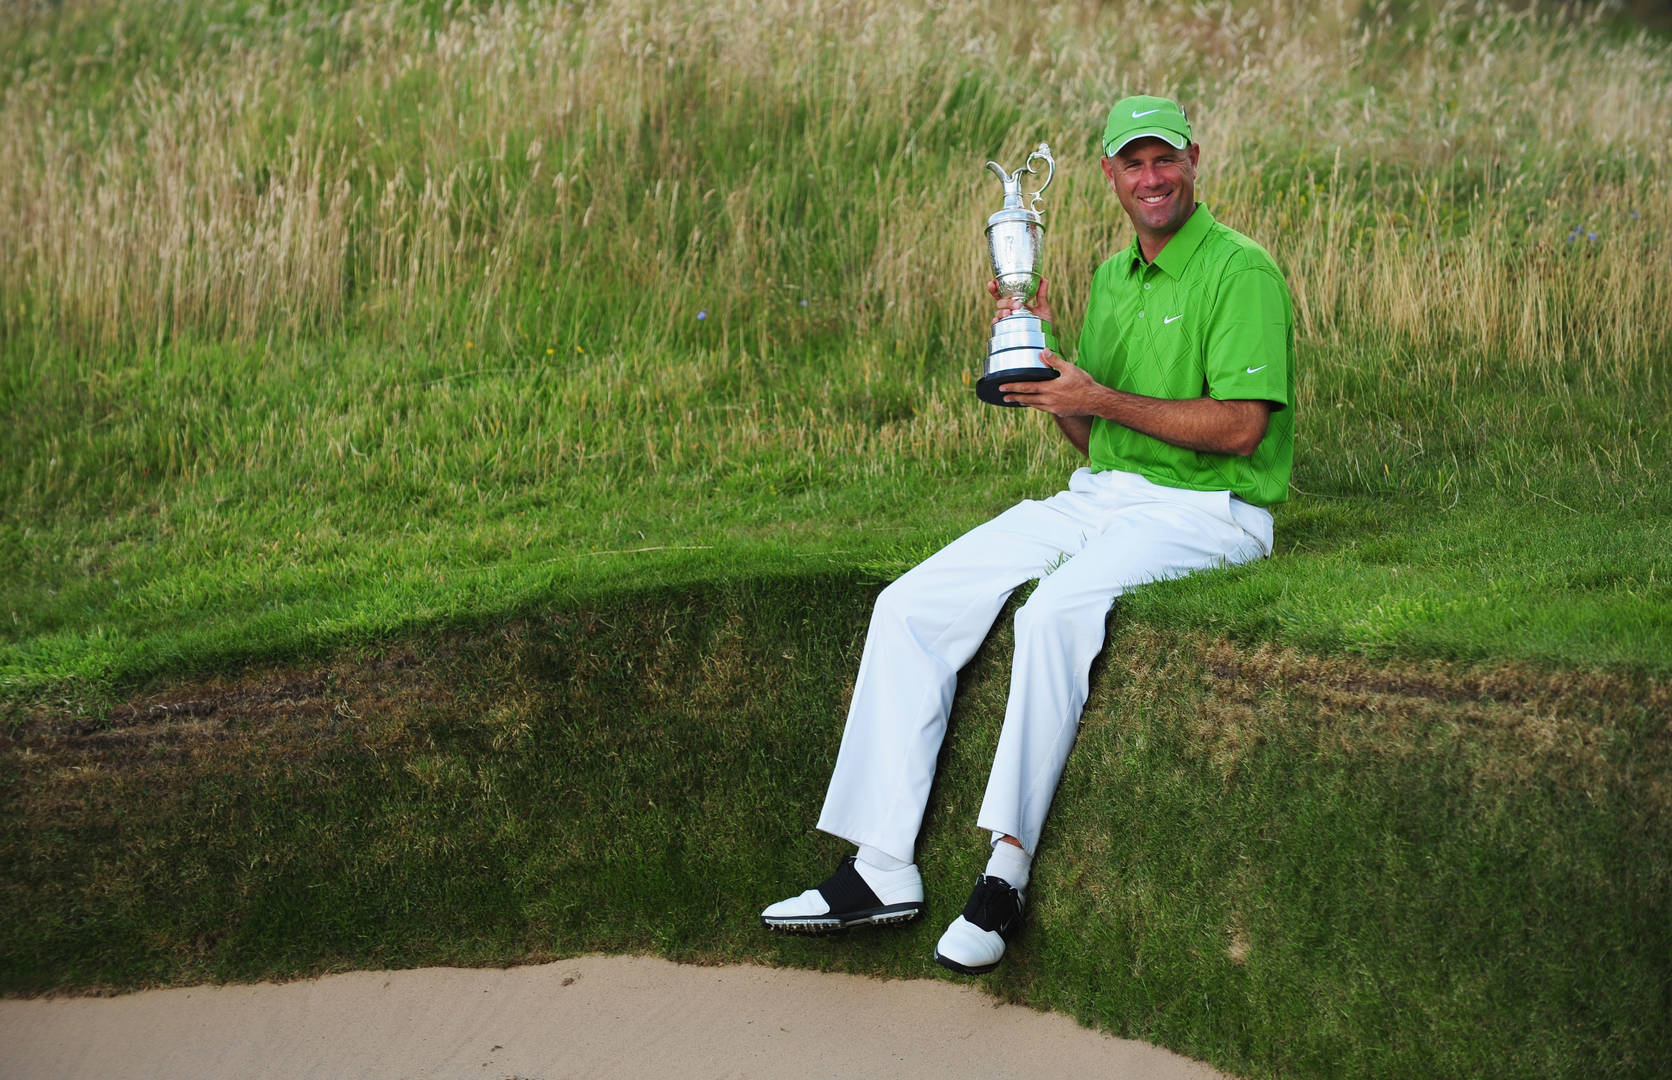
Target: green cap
(1145, 117)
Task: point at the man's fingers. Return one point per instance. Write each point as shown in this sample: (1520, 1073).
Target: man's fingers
(1056, 363)
(1032, 388)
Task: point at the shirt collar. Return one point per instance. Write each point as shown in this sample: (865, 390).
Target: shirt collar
(1176, 255)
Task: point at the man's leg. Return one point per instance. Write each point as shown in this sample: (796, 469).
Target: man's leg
(1150, 534)
(924, 628)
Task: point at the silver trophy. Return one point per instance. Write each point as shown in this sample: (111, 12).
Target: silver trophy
(1014, 237)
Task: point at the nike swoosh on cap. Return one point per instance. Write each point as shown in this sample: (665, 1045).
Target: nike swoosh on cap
(1139, 115)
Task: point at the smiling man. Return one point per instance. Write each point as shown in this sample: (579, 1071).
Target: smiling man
(1180, 400)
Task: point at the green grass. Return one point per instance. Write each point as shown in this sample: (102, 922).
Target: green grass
(447, 455)
(218, 504)
(1282, 864)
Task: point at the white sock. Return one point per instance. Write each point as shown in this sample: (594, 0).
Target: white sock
(880, 859)
(1010, 863)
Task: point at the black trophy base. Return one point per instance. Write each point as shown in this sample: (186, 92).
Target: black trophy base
(988, 388)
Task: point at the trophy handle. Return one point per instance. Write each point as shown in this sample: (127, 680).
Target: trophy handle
(998, 171)
(1043, 153)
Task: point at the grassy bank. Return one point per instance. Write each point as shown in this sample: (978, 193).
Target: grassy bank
(340, 319)
(1283, 863)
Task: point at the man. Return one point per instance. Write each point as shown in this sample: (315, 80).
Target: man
(1180, 399)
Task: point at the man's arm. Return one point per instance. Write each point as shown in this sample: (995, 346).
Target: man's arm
(1204, 423)
(1077, 429)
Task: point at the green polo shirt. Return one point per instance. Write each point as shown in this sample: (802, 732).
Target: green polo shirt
(1210, 317)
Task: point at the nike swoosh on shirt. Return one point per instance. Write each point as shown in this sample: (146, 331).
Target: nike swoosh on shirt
(1168, 320)
(1139, 115)
(1256, 370)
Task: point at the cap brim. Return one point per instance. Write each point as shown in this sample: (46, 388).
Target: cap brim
(1171, 138)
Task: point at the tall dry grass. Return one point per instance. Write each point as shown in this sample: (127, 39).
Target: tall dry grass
(350, 166)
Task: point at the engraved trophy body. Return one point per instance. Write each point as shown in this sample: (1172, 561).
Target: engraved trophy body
(1014, 240)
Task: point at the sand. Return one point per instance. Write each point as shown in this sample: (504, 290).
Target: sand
(592, 1017)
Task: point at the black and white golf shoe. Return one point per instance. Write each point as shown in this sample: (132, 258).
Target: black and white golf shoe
(974, 943)
(855, 895)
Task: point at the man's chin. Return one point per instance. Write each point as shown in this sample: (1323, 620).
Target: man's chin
(1158, 215)
(1169, 220)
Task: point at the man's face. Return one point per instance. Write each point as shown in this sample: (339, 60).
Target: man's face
(1156, 184)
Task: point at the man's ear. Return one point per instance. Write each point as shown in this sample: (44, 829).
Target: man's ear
(1108, 164)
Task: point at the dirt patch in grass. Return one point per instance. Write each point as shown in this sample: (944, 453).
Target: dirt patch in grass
(1513, 724)
(290, 703)
(74, 765)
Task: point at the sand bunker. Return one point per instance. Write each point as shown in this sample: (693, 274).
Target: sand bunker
(590, 1017)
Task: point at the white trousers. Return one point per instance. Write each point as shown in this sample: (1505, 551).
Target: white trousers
(1109, 532)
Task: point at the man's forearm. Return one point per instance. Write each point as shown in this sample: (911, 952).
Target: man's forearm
(1204, 423)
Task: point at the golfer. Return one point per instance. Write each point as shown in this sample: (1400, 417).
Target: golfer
(1180, 396)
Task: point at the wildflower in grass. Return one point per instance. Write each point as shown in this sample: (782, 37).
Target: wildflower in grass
(803, 303)
(701, 315)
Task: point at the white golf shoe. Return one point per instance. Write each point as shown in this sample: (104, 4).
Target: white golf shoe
(974, 943)
(855, 895)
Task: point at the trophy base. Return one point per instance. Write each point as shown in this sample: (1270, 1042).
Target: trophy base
(987, 388)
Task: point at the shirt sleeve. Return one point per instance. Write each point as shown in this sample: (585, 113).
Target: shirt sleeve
(1247, 354)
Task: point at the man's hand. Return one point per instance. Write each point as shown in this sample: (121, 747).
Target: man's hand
(1040, 305)
(1067, 398)
(1071, 393)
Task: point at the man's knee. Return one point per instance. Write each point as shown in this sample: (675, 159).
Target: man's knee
(1040, 618)
(1051, 616)
(895, 601)
(905, 603)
